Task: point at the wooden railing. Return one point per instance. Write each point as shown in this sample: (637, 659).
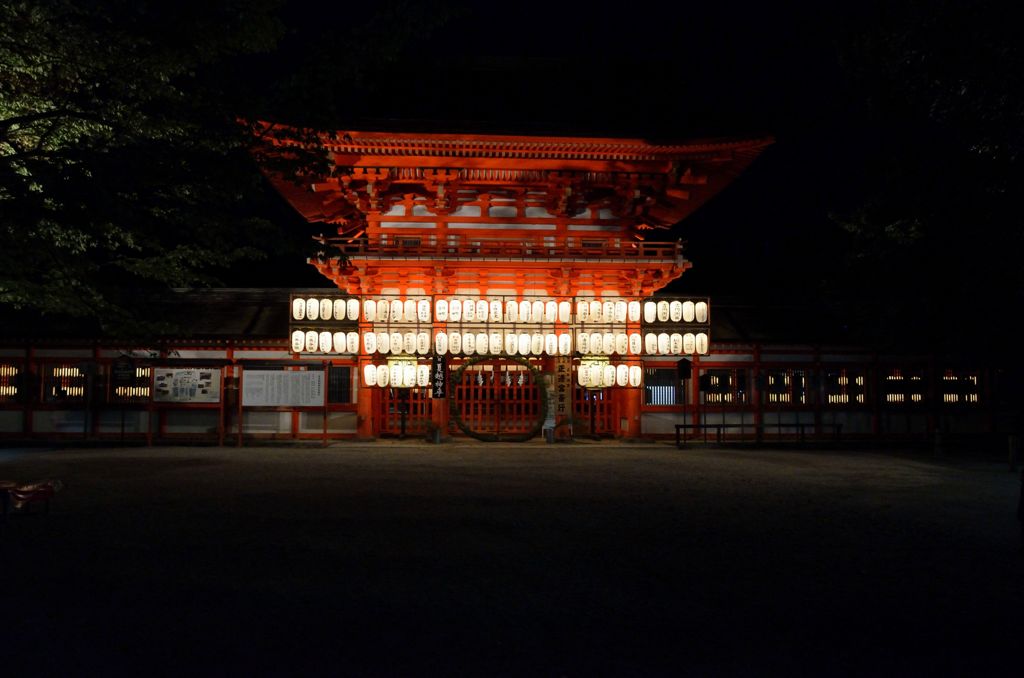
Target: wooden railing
(563, 248)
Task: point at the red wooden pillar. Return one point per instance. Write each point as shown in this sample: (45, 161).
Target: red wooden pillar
(365, 405)
(630, 405)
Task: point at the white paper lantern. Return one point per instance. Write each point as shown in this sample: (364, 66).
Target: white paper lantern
(511, 344)
(383, 375)
(326, 309)
(339, 308)
(422, 375)
(621, 375)
(396, 343)
(621, 343)
(409, 310)
(370, 310)
(663, 311)
(675, 311)
(409, 375)
(396, 312)
(582, 311)
(312, 309)
(650, 343)
(700, 312)
(383, 341)
(495, 343)
(537, 344)
(564, 311)
(325, 341)
(595, 312)
(455, 343)
(608, 375)
(524, 343)
(469, 311)
(702, 343)
(370, 343)
(663, 344)
(455, 310)
(312, 340)
(689, 343)
(383, 314)
(511, 312)
(338, 342)
(608, 311)
(495, 316)
(299, 337)
(440, 343)
(636, 343)
(423, 343)
(596, 345)
(675, 343)
(351, 342)
(595, 377)
(650, 312)
(524, 311)
(423, 311)
(351, 309)
(481, 310)
(441, 310)
(409, 342)
(583, 343)
(583, 375)
(688, 312)
(636, 375)
(469, 343)
(550, 312)
(608, 343)
(369, 375)
(564, 343)
(620, 311)
(299, 311)
(633, 311)
(550, 344)
(537, 312)
(483, 345)
(397, 375)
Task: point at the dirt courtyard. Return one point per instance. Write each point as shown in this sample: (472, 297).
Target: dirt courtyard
(486, 559)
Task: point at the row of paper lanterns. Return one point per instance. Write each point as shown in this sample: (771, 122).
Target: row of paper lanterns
(482, 310)
(406, 375)
(496, 343)
(602, 376)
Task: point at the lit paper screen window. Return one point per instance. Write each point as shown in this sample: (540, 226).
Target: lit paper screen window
(902, 386)
(959, 387)
(9, 377)
(784, 387)
(661, 386)
(844, 386)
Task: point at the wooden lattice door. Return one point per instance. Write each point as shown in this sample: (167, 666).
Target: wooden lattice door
(594, 411)
(498, 400)
(416, 404)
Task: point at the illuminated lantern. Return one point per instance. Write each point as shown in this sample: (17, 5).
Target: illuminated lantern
(299, 310)
(564, 343)
(422, 375)
(636, 375)
(700, 311)
(511, 344)
(702, 343)
(650, 311)
(351, 309)
(650, 343)
(675, 343)
(481, 310)
(497, 342)
(339, 308)
(582, 311)
(621, 375)
(396, 343)
(409, 310)
(688, 311)
(370, 342)
(423, 310)
(583, 343)
(383, 313)
(621, 344)
(409, 374)
(608, 343)
(564, 311)
(397, 375)
(383, 375)
(550, 312)
(324, 342)
(675, 311)
(620, 311)
(469, 311)
(370, 375)
(495, 311)
(537, 344)
(550, 344)
(524, 311)
(608, 311)
(482, 343)
(326, 309)
(469, 343)
(441, 310)
(583, 375)
(524, 343)
(636, 343)
(440, 343)
(409, 342)
(423, 343)
(595, 377)
(396, 311)
(299, 337)
(455, 310)
(370, 310)
(383, 342)
(455, 342)
(595, 312)
(689, 343)
(663, 312)
(633, 311)
(312, 309)
(596, 345)
(351, 342)
(511, 311)
(608, 375)
(338, 342)
(312, 339)
(663, 344)
(537, 312)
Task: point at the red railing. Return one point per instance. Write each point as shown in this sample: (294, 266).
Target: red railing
(561, 248)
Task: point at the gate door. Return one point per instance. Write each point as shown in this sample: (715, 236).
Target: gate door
(498, 400)
(416, 404)
(593, 408)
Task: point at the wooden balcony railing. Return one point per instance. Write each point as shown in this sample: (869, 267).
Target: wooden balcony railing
(480, 248)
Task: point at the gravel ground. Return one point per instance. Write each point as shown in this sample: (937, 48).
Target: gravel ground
(472, 559)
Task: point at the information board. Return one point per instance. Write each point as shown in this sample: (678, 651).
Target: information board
(186, 385)
(276, 388)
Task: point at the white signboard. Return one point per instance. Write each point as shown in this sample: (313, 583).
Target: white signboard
(274, 388)
(192, 385)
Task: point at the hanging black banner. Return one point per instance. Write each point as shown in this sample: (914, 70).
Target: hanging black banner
(439, 377)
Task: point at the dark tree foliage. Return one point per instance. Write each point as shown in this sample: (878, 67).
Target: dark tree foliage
(936, 239)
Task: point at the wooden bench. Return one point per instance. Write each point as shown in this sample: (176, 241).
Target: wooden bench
(837, 430)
